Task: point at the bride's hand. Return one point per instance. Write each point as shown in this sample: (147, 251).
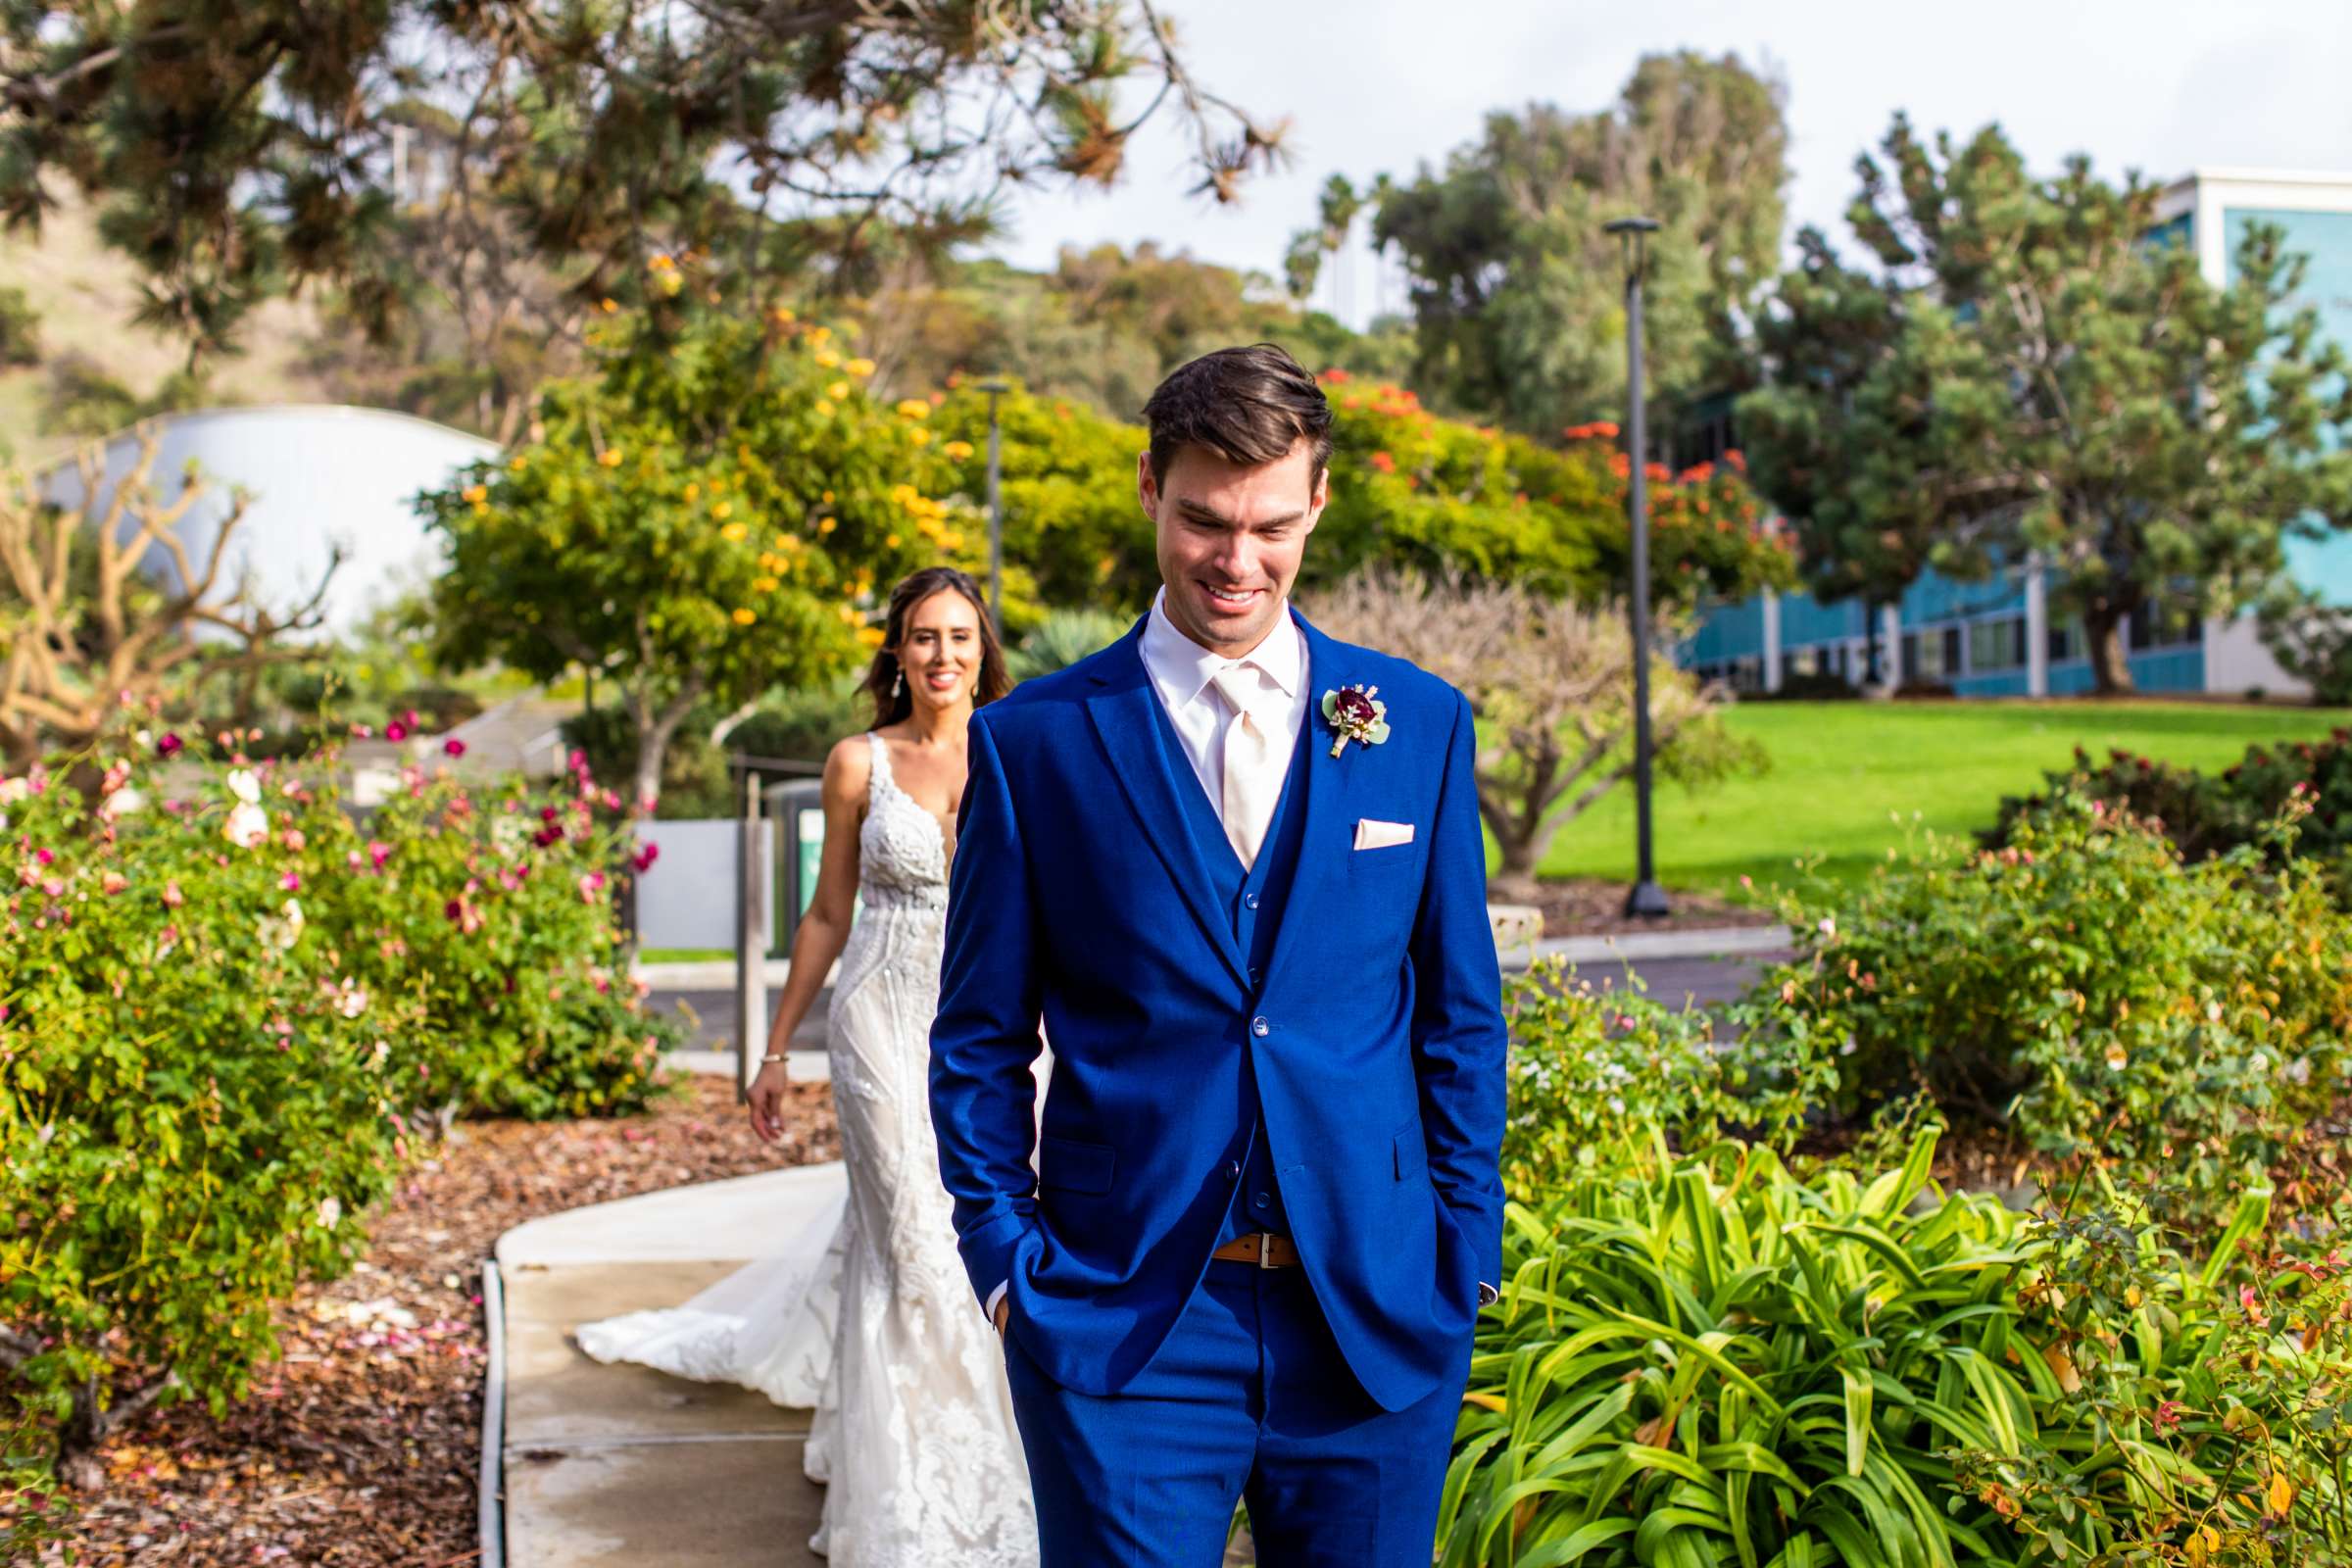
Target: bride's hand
(767, 1104)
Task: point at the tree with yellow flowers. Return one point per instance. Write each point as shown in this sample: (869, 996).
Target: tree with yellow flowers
(716, 507)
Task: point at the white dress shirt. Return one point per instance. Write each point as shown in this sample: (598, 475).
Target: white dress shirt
(1181, 670)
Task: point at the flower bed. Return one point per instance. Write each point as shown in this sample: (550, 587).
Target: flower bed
(225, 1019)
(1714, 1361)
(359, 1443)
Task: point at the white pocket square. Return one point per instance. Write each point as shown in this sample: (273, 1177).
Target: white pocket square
(1372, 834)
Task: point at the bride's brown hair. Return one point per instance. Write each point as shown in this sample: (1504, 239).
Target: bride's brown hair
(891, 700)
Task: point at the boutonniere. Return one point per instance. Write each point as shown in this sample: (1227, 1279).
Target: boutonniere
(1355, 713)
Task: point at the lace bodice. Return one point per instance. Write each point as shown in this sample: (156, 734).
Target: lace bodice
(902, 848)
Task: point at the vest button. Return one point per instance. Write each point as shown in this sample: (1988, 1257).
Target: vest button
(1260, 1201)
(1260, 1028)
(1249, 901)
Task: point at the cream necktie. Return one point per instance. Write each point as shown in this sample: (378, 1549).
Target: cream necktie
(1251, 784)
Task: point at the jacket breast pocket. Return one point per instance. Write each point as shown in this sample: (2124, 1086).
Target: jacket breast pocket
(1071, 1166)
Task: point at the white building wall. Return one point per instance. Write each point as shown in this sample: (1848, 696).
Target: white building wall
(2236, 662)
(319, 476)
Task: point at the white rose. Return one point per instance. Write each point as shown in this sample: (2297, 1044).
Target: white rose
(247, 827)
(284, 929)
(353, 1001)
(245, 787)
(122, 802)
(330, 1212)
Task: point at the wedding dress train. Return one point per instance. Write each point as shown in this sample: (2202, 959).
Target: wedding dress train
(865, 1314)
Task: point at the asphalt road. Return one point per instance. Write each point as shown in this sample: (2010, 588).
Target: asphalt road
(1691, 982)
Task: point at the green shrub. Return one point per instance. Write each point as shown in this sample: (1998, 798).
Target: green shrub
(1592, 1073)
(20, 331)
(2209, 814)
(2085, 988)
(2204, 1407)
(803, 725)
(1714, 1362)
(1063, 638)
(222, 1018)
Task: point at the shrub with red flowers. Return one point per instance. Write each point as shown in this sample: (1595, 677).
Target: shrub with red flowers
(1408, 490)
(227, 1006)
(1415, 490)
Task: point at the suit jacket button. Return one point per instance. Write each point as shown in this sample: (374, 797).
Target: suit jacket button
(1233, 1170)
(1260, 1028)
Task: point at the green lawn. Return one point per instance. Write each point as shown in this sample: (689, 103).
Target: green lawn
(1847, 780)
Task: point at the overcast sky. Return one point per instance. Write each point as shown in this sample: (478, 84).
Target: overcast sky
(1374, 85)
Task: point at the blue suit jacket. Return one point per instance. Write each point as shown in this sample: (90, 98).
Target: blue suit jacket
(1375, 1038)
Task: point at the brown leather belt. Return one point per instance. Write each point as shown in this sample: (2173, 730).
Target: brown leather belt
(1264, 1249)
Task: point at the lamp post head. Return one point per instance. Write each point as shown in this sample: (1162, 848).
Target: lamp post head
(1632, 235)
(995, 386)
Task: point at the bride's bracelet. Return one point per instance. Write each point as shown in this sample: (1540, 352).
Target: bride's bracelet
(771, 1059)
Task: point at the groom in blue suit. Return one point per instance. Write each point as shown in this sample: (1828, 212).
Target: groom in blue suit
(1236, 868)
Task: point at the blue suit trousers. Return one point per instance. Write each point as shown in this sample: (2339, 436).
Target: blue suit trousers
(1249, 1400)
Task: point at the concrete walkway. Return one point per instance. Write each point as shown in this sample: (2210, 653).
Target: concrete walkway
(606, 1466)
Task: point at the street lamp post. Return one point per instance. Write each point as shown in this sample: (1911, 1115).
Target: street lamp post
(996, 387)
(1646, 899)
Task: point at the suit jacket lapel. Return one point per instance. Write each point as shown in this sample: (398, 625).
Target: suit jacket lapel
(1334, 789)
(1126, 712)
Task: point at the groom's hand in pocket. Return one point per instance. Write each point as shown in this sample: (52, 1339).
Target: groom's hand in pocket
(1004, 1313)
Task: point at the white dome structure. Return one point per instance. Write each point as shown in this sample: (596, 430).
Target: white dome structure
(318, 476)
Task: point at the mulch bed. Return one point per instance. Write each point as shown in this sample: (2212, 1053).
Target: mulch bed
(361, 1444)
(1585, 907)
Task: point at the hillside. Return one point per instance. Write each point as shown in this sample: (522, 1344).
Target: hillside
(86, 295)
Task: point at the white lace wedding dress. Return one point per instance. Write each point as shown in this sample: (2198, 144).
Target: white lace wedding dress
(870, 1319)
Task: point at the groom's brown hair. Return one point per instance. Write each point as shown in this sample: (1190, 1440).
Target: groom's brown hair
(1247, 405)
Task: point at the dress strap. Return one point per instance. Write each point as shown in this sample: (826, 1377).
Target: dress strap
(879, 777)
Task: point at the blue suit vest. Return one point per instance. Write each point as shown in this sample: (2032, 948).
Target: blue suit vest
(1255, 900)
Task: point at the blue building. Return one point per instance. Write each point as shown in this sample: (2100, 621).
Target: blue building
(1996, 638)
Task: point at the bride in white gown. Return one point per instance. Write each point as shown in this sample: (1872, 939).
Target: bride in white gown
(866, 1315)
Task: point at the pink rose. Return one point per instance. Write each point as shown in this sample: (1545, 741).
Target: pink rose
(454, 747)
(396, 731)
(167, 744)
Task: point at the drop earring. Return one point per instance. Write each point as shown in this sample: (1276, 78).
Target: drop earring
(898, 684)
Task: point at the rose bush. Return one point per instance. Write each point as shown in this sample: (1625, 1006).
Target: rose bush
(226, 1007)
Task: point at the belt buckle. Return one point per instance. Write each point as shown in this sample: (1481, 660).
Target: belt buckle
(1265, 1251)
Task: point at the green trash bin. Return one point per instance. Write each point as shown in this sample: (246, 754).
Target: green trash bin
(796, 808)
